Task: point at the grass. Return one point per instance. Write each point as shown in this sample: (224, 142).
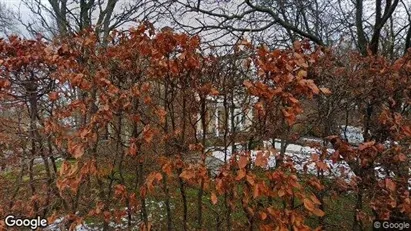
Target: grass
(339, 210)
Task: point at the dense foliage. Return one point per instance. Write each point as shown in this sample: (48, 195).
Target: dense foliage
(118, 134)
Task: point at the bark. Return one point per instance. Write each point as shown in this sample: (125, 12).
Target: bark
(362, 40)
(60, 13)
(203, 142)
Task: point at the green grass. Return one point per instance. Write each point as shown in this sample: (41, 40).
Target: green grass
(339, 210)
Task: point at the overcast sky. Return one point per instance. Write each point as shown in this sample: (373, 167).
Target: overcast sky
(191, 19)
(18, 7)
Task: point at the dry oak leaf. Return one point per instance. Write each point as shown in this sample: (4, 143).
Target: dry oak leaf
(242, 163)
(214, 91)
(390, 184)
(161, 113)
(315, 200)
(167, 168)
(325, 90)
(148, 134)
(289, 117)
(321, 165)
(318, 212)
(214, 198)
(132, 151)
(308, 204)
(263, 215)
(152, 178)
(366, 145)
(187, 174)
(402, 157)
(241, 174)
(53, 96)
(301, 74)
(247, 84)
(261, 160)
(76, 150)
(310, 83)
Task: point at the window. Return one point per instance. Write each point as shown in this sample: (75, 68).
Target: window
(238, 119)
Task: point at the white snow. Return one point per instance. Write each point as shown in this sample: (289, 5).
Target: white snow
(354, 134)
(301, 156)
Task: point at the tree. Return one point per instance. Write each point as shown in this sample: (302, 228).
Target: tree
(280, 23)
(135, 142)
(62, 18)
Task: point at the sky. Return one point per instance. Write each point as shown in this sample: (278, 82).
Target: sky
(25, 14)
(19, 8)
(189, 19)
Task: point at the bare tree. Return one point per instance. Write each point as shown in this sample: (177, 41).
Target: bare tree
(62, 17)
(279, 23)
(282, 21)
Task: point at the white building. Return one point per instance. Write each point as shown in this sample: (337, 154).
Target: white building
(238, 110)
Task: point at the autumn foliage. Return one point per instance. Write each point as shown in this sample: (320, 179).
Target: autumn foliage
(109, 133)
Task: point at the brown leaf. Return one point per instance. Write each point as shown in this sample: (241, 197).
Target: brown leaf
(187, 174)
(107, 216)
(322, 165)
(213, 91)
(53, 96)
(158, 176)
(161, 113)
(297, 45)
(84, 132)
(315, 200)
(167, 169)
(241, 174)
(325, 90)
(213, 198)
(366, 145)
(308, 204)
(52, 218)
(312, 86)
(246, 63)
(314, 182)
(263, 215)
(293, 100)
(402, 157)
(389, 184)
(242, 163)
(301, 74)
(261, 160)
(250, 179)
(318, 212)
(77, 151)
(152, 178)
(256, 191)
(398, 64)
(147, 100)
(148, 134)
(143, 192)
(281, 192)
(406, 130)
(289, 117)
(119, 190)
(272, 211)
(247, 84)
(260, 108)
(315, 157)
(132, 151)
